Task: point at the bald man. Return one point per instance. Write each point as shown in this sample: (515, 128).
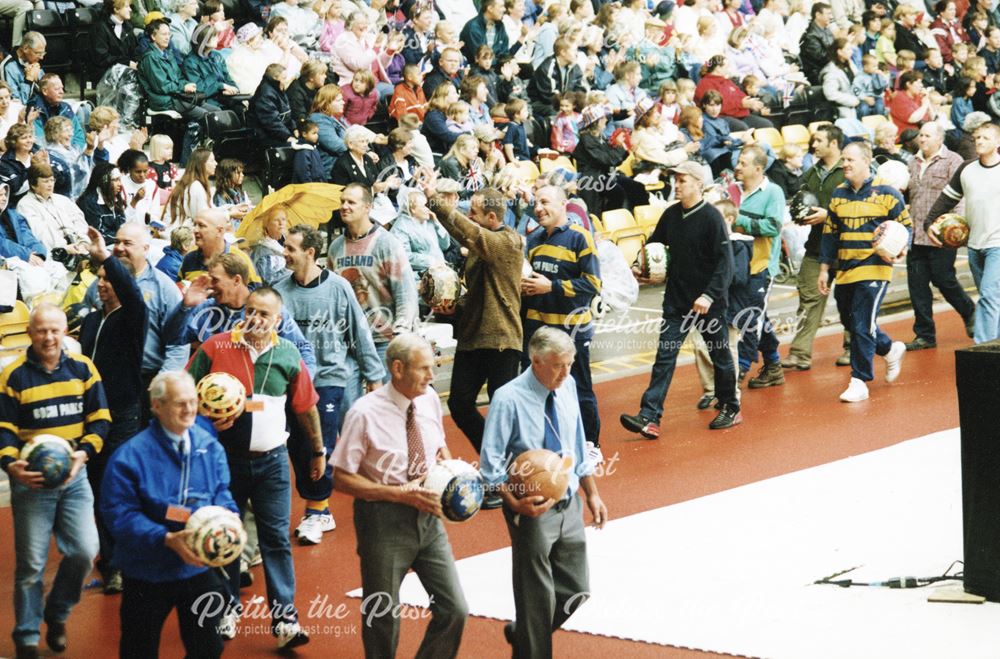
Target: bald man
(210, 228)
(161, 296)
(49, 391)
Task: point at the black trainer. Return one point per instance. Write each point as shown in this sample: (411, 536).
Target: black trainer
(55, 636)
(727, 417)
(706, 402)
(970, 325)
(641, 425)
(920, 344)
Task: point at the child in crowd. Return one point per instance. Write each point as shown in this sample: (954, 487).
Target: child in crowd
(181, 242)
(718, 145)
(408, 97)
(977, 30)
(333, 26)
(885, 47)
(960, 54)
(565, 125)
(670, 109)
(483, 67)
(752, 88)
(214, 12)
(961, 106)
(307, 166)
(906, 60)
(685, 93)
(515, 142)
(739, 296)
(509, 85)
(138, 188)
(421, 150)
(229, 187)
(164, 172)
(446, 36)
(873, 25)
(360, 98)
(457, 115)
(870, 86)
(786, 169)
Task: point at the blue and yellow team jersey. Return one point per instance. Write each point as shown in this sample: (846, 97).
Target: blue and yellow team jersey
(69, 402)
(850, 228)
(568, 258)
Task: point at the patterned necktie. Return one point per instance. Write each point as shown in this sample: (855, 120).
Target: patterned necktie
(552, 442)
(417, 463)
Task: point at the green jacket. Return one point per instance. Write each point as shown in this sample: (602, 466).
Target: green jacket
(161, 78)
(654, 76)
(821, 185)
(209, 73)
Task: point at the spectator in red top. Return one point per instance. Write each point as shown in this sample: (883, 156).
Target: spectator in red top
(738, 109)
(911, 105)
(947, 28)
(408, 96)
(360, 98)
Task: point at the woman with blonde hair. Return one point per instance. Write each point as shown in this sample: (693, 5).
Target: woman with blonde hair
(193, 192)
(436, 120)
(327, 113)
(463, 164)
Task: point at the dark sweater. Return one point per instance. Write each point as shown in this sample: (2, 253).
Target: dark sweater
(701, 259)
(307, 167)
(115, 342)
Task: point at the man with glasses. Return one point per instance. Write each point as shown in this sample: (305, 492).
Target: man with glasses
(23, 69)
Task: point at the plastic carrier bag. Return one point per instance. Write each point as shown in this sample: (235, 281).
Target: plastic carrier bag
(119, 88)
(619, 289)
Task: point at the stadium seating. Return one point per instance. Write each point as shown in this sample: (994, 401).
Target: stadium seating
(630, 245)
(527, 170)
(618, 219)
(546, 165)
(871, 122)
(796, 134)
(769, 136)
(14, 327)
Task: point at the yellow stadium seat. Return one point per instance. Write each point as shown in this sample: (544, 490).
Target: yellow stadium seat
(626, 166)
(617, 219)
(546, 165)
(647, 215)
(630, 244)
(527, 170)
(14, 323)
(796, 134)
(873, 121)
(12, 341)
(816, 124)
(769, 136)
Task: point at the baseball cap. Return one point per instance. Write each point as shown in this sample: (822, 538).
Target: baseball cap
(690, 168)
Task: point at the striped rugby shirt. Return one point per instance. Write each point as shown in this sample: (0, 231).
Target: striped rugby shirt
(568, 258)
(69, 402)
(850, 226)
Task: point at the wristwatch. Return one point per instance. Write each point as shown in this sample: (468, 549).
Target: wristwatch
(319, 454)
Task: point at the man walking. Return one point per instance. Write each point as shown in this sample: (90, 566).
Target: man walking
(49, 391)
(696, 297)
(857, 208)
(926, 263)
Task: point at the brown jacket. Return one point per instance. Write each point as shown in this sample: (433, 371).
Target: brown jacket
(488, 316)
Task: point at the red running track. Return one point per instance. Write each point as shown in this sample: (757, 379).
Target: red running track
(799, 425)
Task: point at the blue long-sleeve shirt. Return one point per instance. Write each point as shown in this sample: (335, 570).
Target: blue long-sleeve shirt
(143, 478)
(331, 143)
(162, 297)
(329, 315)
(185, 325)
(16, 238)
(20, 88)
(516, 423)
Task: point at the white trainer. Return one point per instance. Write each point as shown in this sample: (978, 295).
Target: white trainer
(227, 625)
(290, 635)
(894, 360)
(856, 392)
(594, 455)
(312, 527)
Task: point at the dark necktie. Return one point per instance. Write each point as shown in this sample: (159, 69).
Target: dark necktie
(552, 442)
(417, 462)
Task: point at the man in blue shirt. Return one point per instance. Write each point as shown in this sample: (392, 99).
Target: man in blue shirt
(539, 409)
(152, 485)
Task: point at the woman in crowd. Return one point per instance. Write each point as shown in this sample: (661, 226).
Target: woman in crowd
(423, 239)
(205, 67)
(248, 60)
(71, 165)
(435, 126)
(102, 203)
(192, 193)
(650, 145)
(836, 78)
(302, 91)
(463, 164)
(182, 23)
(600, 186)
(54, 218)
(740, 110)
(358, 50)
(328, 114)
(279, 48)
(359, 164)
(20, 143)
(111, 38)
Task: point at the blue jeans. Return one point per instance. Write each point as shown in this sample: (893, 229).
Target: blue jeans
(985, 266)
(68, 513)
(754, 325)
(858, 304)
(865, 110)
(300, 448)
(266, 484)
(675, 327)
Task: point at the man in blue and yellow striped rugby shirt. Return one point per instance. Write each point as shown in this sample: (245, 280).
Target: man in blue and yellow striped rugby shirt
(565, 277)
(857, 207)
(49, 391)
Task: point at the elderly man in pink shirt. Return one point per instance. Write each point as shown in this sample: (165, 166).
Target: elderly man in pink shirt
(389, 439)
